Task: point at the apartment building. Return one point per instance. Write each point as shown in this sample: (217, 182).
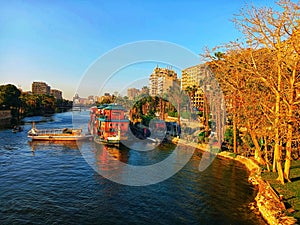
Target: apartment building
(40, 88)
(161, 80)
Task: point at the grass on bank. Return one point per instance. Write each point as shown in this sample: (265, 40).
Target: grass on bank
(290, 191)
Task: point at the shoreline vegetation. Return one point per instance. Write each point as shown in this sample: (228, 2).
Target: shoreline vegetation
(16, 105)
(270, 202)
(259, 75)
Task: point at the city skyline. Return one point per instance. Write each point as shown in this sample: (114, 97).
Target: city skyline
(57, 42)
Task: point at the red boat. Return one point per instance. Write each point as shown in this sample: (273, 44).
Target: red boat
(108, 124)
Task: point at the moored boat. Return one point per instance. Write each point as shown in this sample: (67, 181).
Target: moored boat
(108, 141)
(109, 124)
(64, 134)
(17, 129)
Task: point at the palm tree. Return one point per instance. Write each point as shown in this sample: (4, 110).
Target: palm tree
(177, 97)
(191, 92)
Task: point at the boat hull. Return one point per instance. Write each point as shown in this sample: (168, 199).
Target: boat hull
(59, 138)
(101, 141)
(65, 134)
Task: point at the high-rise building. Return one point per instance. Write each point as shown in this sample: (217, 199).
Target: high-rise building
(198, 99)
(40, 88)
(193, 78)
(161, 80)
(56, 93)
(132, 93)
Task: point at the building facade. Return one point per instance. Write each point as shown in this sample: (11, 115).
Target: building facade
(132, 93)
(161, 80)
(56, 93)
(198, 99)
(194, 77)
(40, 88)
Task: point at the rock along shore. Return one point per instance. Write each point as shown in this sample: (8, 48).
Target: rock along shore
(267, 202)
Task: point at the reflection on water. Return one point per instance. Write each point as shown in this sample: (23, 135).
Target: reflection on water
(40, 145)
(57, 186)
(38, 119)
(107, 156)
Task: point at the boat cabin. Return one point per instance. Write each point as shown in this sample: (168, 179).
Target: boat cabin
(113, 122)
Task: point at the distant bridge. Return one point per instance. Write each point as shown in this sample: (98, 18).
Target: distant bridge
(80, 108)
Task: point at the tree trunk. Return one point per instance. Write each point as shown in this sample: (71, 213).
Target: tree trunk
(288, 158)
(278, 165)
(277, 149)
(274, 162)
(277, 146)
(191, 103)
(257, 153)
(163, 110)
(234, 121)
(206, 114)
(234, 134)
(219, 123)
(178, 113)
(266, 154)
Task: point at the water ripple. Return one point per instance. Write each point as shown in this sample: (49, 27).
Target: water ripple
(52, 184)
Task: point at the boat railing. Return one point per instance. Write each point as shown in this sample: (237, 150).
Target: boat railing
(50, 131)
(57, 131)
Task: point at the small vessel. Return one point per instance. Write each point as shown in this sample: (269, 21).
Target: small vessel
(17, 129)
(108, 124)
(64, 134)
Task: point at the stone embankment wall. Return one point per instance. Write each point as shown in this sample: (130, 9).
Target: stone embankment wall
(268, 203)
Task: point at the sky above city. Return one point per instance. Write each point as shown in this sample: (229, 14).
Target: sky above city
(58, 41)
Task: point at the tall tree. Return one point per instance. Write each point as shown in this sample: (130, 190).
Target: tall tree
(191, 90)
(268, 56)
(179, 99)
(277, 32)
(9, 97)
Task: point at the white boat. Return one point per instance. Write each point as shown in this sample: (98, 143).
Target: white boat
(64, 134)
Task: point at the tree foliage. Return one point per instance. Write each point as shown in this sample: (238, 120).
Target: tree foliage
(260, 77)
(30, 104)
(9, 97)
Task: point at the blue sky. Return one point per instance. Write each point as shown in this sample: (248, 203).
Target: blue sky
(57, 41)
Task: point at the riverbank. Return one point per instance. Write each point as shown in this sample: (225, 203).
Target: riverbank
(290, 190)
(267, 202)
(5, 118)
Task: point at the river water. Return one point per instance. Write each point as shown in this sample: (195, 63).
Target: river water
(51, 183)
